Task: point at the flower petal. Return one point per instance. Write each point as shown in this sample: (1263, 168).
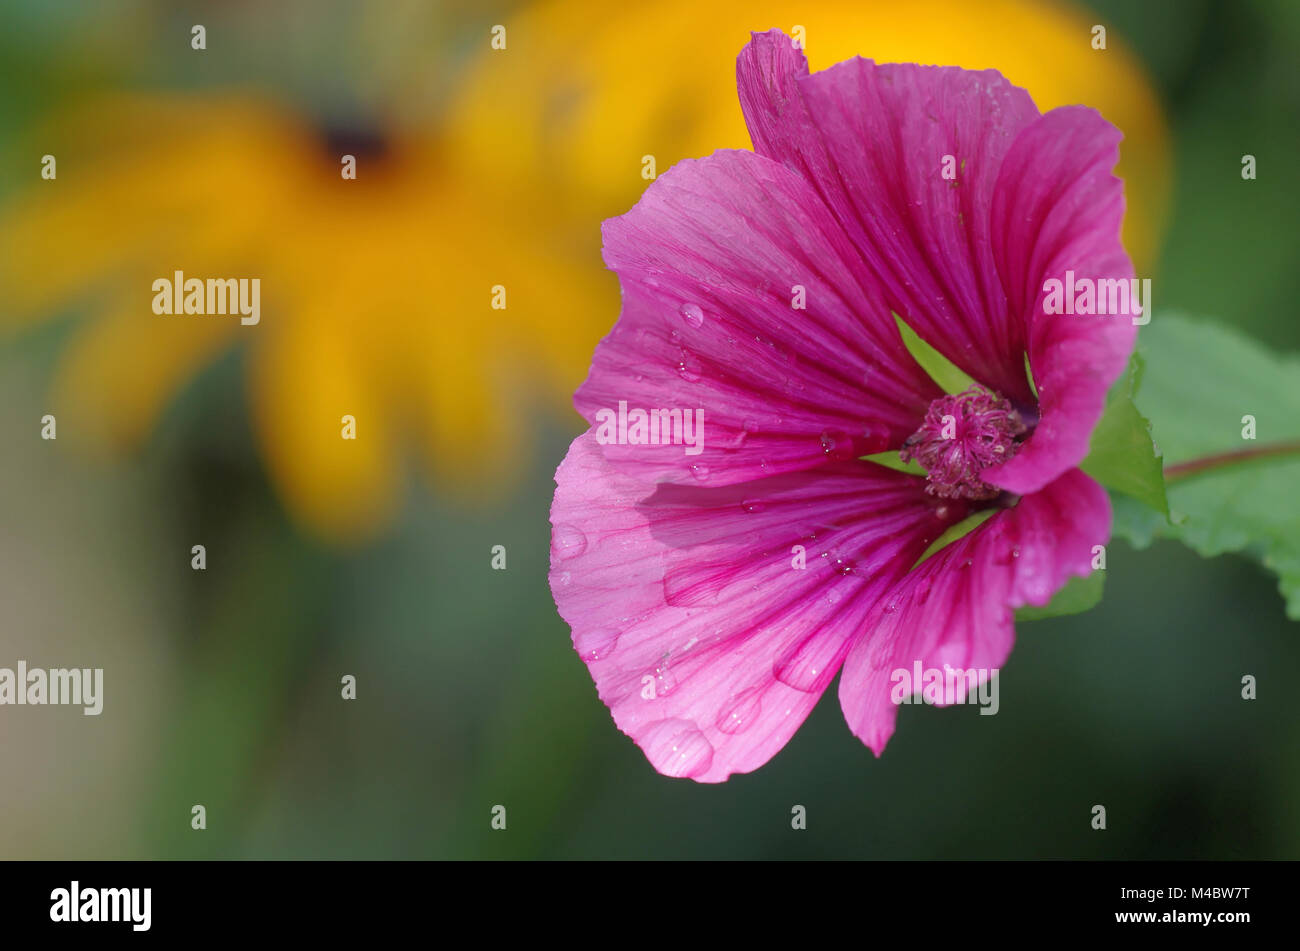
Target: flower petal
(303, 382)
(874, 140)
(742, 298)
(1058, 208)
(704, 638)
(956, 607)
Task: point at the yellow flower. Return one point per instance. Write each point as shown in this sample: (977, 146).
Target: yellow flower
(376, 293)
(584, 91)
(375, 302)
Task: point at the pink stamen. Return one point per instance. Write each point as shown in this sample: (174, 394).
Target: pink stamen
(961, 436)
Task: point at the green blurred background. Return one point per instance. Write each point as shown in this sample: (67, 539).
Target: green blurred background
(222, 686)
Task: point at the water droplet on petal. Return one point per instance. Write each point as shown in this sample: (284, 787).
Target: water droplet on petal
(841, 566)
(665, 679)
(567, 541)
(687, 369)
(1009, 555)
(692, 314)
(595, 645)
(837, 444)
(741, 711)
(676, 747)
(753, 506)
(700, 471)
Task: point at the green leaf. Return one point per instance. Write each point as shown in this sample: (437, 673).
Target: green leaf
(1078, 595)
(890, 460)
(959, 530)
(942, 370)
(1201, 381)
(1122, 455)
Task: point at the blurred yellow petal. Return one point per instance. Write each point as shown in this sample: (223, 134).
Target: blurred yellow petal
(121, 371)
(302, 383)
(567, 111)
(138, 183)
(375, 296)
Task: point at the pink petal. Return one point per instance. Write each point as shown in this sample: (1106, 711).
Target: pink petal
(873, 141)
(707, 644)
(1058, 207)
(956, 607)
(709, 260)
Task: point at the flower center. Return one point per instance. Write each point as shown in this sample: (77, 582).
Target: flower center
(362, 139)
(961, 436)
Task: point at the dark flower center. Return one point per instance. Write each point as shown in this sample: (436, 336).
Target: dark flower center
(356, 138)
(961, 436)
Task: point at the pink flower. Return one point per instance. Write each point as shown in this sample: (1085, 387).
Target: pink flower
(717, 580)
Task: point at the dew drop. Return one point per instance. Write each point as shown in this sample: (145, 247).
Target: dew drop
(1009, 555)
(665, 679)
(692, 314)
(842, 566)
(700, 471)
(799, 666)
(567, 541)
(753, 506)
(837, 444)
(595, 645)
(687, 370)
(741, 711)
(676, 747)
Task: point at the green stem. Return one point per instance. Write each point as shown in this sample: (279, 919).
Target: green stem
(1196, 466)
